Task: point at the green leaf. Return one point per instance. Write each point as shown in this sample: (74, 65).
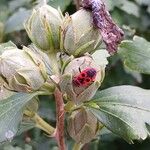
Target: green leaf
(25, 126)
(145, 2)
(4, 12)
(15, 4)
(16, 21)
(125, 110)
(4, 92)
(136, 54)
(11, 110)
(59, 3)
(125, 5)
(130, 8)
(10, 147)
(28, 123)
(111, 4)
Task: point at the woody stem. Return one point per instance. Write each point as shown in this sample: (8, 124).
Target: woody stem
(60, 114)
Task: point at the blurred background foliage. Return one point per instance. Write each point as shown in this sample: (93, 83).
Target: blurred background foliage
(134, 18)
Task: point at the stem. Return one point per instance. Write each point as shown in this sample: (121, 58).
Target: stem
(53, 61)
(40, 123)
(77, 146)
(60, 114)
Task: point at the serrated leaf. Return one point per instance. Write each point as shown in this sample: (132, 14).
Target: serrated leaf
(11, 110)
(125, 110)
(15, 22)
(136, 54)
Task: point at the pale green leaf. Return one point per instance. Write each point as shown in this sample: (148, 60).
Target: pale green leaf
(10, 147)
(15, 4)
(125, 110)
(11, 110)
(28, 123)
(4, 92)
(125, 5)
(4, 12)
(59, 3)
(145, 2)
(148, 9)
(25, 126)
(111, 4)
(16, 21)
(136, 54)
(130, 8)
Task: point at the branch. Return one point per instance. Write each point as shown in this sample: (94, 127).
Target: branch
(59, 132)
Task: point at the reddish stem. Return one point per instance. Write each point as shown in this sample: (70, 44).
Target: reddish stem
(60, 114)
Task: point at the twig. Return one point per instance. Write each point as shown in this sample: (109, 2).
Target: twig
(59, 132)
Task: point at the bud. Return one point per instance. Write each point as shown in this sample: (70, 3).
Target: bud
(82, 126)
(43, 28)
(22, 69)
(78, 34)
(81, 93)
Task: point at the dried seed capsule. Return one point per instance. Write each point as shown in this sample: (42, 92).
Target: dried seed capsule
(22, 69)
(82, 126)
(43, 28)
(82, 77)
(78, 34)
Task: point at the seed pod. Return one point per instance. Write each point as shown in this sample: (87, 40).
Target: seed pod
(43, 28)
(83, 91)
(78, 34)
(82, 126)
(23, 70)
